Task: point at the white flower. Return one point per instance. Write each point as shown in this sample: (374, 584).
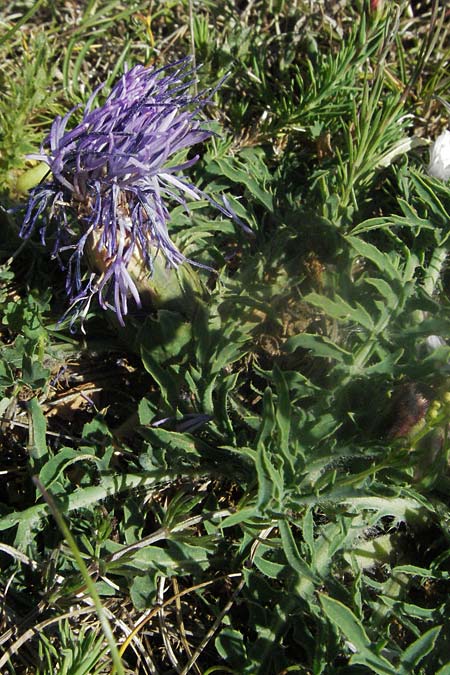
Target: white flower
(439, 166)
(434, 342)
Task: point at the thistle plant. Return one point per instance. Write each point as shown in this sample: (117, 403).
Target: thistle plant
(109, 181)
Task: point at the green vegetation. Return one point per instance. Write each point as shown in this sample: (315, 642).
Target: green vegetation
(264, 489)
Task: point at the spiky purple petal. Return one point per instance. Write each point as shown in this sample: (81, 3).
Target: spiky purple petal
(112, 174)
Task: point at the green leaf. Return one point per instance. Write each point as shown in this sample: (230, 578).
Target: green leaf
(320, 345)
(292, 553)
(385, 290)
(403, 508)
(413, 219)
(372, 224)
(344, 619)
(230, 645)
(382, 550)
(414, 654)
(269, 568)
(283, 411)
(415, 570)
(244, 515)
(33, 373)
(371, 252)
(143, 590)
(38, 428)
(268, 419)
(240, 174)
(163, 377)
(165, 336)
(308, 531)
(445, 670)
(342, 310)
(147, 412)
(425, 188)
(6, 374)
(385, 366)
(270, 484)
(54, 467)
(347, 623)
(82, 498)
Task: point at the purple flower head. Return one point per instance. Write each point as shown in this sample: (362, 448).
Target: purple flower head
(112, 174)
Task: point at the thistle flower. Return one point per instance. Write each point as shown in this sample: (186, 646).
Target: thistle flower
(112, 174)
